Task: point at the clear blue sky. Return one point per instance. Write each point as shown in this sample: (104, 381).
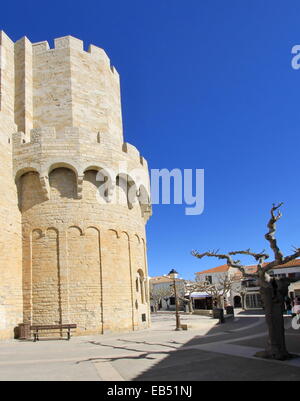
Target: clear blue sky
(205, 84)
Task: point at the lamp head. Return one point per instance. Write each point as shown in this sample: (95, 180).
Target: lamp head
(173, 273)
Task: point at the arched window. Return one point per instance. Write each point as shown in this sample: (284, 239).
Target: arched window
(140, 282)
(63, 183)
(30, 191)
(126, 190)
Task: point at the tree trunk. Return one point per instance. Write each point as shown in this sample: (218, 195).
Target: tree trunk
(219, 302)
(191, 309)
(273, 301)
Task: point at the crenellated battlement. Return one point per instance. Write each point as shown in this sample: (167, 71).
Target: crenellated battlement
(40, 47)
(49, 134)
(59, 87)
(77, 147)
(69, 42)
(71, 136)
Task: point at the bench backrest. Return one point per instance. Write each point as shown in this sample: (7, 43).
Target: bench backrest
(53, 327)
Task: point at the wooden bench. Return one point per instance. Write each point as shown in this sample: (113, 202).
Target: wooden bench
(54, 328)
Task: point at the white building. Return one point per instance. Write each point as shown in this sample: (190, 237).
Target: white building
(214, 276)
(292, 271)
(245, 292)
(164, 285)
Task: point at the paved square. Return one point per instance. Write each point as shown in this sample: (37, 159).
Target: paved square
(207, 351)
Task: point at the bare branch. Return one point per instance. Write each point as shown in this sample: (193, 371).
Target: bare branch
(295, 249)
(230, 262)
(257, 256)
(285, 260)
(270, 236)
(159, 292)
(262, 266)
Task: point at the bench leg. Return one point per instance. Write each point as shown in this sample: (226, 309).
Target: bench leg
(36, 335)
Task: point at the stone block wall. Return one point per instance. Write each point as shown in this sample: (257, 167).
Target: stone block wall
(80, 260)
(11, 301)
(67, 255)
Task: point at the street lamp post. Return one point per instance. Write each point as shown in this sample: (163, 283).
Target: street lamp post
(173, 273)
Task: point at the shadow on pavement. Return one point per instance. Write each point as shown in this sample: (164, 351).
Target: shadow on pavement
(198, 365)
(179, 362)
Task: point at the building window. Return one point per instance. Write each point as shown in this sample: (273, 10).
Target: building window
(249, 283)
(208, 279)
(142, 291)
(253, 301)
(140, 286)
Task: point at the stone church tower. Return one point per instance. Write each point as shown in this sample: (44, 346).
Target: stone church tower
(74, 196)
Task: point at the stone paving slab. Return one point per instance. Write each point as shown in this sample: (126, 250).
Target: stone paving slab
(199, 365)
(208, 352)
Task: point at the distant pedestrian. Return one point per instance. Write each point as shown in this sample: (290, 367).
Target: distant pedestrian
(288, 305)
(296, 308)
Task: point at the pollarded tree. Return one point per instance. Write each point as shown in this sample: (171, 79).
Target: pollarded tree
(217, 290)
(184, 293)
(158, 293)
(273, 291)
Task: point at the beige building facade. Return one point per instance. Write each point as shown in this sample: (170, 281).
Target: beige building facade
(74, 196)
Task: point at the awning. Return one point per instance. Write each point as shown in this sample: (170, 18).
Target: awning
(200, 295)
(294, 286)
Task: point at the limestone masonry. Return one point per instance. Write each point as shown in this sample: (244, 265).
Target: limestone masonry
(67, 256)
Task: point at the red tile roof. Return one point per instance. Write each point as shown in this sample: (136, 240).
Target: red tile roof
(250, 269)
(295, 262)
(218, 269)
(292, 263)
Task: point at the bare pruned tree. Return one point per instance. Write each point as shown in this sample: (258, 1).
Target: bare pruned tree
(184, 292)
(158, 293)
(190, 287)
(217, 290)
(273, 291)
